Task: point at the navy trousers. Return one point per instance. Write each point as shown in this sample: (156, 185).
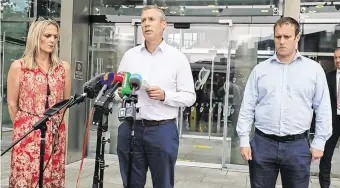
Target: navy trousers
(292, 159)
(156, 148)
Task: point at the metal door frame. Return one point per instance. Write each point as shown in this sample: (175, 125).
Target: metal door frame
(229, 22)
(196, 21)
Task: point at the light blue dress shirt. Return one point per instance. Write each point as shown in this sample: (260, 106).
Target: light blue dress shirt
(281, 97)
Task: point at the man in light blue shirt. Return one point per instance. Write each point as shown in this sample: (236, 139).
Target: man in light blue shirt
(281, 94)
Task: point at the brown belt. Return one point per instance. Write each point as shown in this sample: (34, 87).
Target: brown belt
(148, 123)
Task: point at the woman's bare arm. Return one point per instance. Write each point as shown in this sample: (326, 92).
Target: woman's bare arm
(13, 86)
(67, 89)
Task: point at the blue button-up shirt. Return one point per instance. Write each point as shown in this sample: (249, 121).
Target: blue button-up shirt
(281, 97)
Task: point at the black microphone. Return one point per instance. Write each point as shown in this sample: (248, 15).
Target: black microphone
(93, 86)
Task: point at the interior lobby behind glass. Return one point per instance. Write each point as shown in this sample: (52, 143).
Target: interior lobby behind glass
(221, 55)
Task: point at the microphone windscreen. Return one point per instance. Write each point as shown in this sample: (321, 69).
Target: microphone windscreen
(107, 79)
(93, 86)
(126, 88)
(136, 81)
(119, 78)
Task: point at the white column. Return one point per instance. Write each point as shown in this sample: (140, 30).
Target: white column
(292, 9)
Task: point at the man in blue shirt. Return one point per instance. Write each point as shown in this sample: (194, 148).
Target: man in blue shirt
(281, 94)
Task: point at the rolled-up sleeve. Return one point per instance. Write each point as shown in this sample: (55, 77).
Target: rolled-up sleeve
(247, 111)
(323, 111)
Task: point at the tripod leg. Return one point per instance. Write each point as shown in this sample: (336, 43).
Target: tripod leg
(42, 154)
(102, 163)
(97, 159)
(132, 140)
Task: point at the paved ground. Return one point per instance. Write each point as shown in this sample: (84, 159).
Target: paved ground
(186, 177)
(234, 176)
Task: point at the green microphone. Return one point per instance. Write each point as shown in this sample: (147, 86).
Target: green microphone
(126, 87)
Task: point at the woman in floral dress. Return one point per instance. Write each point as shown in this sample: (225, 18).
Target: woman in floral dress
(35, 83)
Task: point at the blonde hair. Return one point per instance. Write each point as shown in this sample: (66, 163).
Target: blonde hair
(35, 33)
(155, 7)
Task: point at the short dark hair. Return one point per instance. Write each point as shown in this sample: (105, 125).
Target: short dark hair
(336, 49)
(288, 20)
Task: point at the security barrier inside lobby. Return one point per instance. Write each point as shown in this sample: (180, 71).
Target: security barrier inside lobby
(223, 41)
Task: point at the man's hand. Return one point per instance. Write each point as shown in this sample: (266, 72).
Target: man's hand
(155, 93)
(119, 91)
(316, 154)
(246, 153)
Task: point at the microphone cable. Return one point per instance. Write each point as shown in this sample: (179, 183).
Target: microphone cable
(85, 145)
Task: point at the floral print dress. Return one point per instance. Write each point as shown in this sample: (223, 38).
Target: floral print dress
(38, 92)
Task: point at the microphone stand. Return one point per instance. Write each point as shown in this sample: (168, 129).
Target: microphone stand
(41, 124)
(130, 115)
(100, 119)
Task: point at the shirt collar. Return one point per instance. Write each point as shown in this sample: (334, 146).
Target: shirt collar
(161, 46)
(276, 59)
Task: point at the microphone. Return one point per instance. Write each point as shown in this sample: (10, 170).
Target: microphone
(117, 81)
(106, 82)
(93, 86)
(129, 112)
(126, 88)
(109, 94)
(135, 82)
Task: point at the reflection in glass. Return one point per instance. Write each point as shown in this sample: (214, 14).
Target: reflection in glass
(50, 8)
(17, 8)
(319, 37)
(189, 8)
(206, 47)
(12, 39)
(108, 45)
(250, 44)
(318, 42)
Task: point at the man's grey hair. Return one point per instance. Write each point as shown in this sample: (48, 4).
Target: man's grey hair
(155, 7)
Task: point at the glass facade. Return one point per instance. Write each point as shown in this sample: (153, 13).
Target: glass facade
(13, 46)
(189, 8)
(16, 9)
(15, 19)
(220, 56)
(202, 125)
(320, 31)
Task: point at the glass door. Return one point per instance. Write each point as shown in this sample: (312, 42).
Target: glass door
(202, 127)
(109, 42)
(12, 48)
